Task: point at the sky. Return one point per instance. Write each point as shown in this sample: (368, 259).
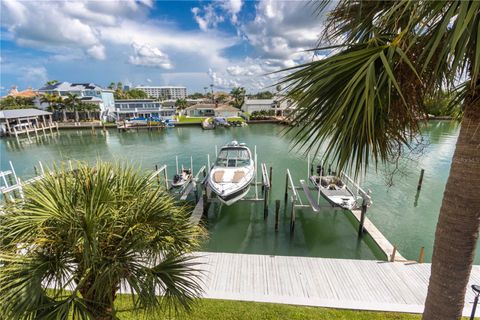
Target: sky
(143, 42)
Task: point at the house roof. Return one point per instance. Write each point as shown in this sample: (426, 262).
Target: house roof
(226, 107)
(28, 93)
(259, 101)
(202, 106)
(67, 86)
(22, 113)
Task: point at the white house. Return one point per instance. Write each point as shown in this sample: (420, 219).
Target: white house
(145, 108)
(87, 92)
(278, 104)
(212, 110)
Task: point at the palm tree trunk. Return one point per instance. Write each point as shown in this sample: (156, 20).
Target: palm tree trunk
(458, 224)
(76, 116)
(64, 115)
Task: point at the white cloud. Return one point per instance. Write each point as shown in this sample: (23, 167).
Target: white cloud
(233, 7)
(97, 51)
(149, 56)
(207, 17)
(36, 75)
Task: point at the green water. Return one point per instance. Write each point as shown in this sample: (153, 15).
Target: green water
(241, 227)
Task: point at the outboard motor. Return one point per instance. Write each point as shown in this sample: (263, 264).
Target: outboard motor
(319, 169)
(176, 178)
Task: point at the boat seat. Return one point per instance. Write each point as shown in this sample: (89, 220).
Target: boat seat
(218, 176)
(237, 176)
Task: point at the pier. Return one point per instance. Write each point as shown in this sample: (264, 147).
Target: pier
(321, 282)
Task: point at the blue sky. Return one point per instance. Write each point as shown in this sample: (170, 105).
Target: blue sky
(191, 43)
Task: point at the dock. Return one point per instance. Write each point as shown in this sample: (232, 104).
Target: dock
(321, 282)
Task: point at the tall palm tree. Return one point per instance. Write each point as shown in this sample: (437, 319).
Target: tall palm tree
(181, 104)
(86, 233)
(238, 95)
(72, 101)
(364, 101)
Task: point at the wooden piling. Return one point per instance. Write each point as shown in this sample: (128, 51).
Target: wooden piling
(420, 181)
(286, 189)
(292, 218)
(392, 257)
(270, 177)
(265, 204)
(422, 255)
(277, 210)
(361, 229)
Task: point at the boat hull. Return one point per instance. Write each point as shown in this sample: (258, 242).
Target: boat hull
(342, 198)
(234, 197)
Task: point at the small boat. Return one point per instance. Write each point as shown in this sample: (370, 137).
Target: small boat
(182, 178)
(169, 123)
(137, 120)
(334, 190)
(208, 124)
(231, 175)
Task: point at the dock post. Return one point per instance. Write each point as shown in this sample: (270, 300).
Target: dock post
(277, 210)
(420, 181)
(205, 202)
(361, 229)
(286, 189)
(158, 177)
(265, 204)
(329, 169)
(292, 217)
(36, 132)
(392, 257)
(270, 177)
(422, 255)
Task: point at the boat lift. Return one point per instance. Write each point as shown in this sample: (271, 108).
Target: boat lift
(313, 195)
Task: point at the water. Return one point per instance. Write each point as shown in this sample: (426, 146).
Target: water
(241, 227)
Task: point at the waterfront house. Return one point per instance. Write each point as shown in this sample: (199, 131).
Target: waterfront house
(212, 110)
(28, 93)
(20, 119)
(278, 104)
(87, 92)
(145, 108)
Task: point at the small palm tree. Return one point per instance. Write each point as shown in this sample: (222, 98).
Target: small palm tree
(86, 233)
(181, 104)
(365, 101)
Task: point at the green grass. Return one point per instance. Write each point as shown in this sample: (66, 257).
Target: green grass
(185, 119)
(207, 309)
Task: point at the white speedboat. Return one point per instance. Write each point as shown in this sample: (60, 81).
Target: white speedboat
(334, 190)
(182, 178)
(232, 173)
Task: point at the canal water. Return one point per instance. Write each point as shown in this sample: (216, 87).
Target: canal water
(406, 218)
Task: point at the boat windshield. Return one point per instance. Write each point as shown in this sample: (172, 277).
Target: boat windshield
(233, 157)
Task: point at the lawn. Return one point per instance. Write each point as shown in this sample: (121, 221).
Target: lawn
(207, 309)
(185, 119)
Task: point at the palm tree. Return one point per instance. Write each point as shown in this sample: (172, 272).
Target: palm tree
(72, 101)
(53, 102)
(364, 101)
(238, 95)
(84, 234)
(51, 82)
(181, 104)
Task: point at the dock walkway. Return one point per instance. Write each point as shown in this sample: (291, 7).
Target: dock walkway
(337, 283)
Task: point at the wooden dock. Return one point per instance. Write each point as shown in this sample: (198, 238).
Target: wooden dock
(378, 237)
(335, 283)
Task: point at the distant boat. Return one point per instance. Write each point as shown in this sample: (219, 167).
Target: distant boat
(137, 120)
(182, 178)
(334, 190)
(233, 172)
(169, 123)
(208, 124)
